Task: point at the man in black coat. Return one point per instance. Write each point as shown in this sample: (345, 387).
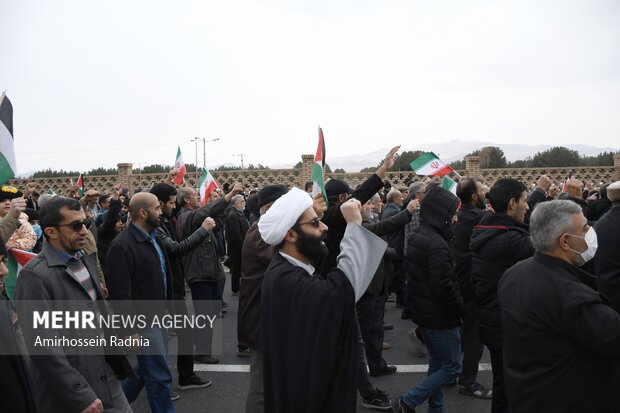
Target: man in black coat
(470, 193)
(236, 227)
(499, 241)
(561, 338)
(607, 258)
(437, 303)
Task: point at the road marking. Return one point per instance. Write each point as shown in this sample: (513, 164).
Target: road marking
(245, 368)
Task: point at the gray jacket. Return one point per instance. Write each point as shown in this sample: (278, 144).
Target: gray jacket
(61, 382)
(203, 262)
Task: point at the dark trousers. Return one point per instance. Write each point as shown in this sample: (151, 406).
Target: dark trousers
(185, 338)
(470, 345)
(202, 292)
(499, 403)
(235, 273)
(396, 279)
(370, 316)
(364, 386)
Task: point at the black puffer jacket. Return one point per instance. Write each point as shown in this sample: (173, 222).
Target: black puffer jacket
(469, 216)
(437, 301)
(497, 243)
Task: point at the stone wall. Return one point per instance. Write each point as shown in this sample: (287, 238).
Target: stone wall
(257, 178)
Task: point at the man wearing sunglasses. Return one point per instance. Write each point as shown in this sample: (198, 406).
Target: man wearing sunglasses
(77, 383)
(312, 313)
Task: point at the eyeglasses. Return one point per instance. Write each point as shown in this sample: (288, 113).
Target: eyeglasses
(77, 226)
(316, 222)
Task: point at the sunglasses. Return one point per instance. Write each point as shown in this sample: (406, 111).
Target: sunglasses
(316, 222)
(77, 226)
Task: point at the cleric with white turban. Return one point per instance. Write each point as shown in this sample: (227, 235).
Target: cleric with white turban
(283, 215)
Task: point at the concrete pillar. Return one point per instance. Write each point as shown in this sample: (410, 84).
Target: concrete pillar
(615, 175)
(125, 174)
(472, 166)
(307, 163)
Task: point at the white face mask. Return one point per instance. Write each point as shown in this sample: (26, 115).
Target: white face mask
(592, 243)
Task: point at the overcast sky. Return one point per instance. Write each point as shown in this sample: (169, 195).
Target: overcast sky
(97, 83)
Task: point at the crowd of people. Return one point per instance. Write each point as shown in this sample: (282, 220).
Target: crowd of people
(532, 275)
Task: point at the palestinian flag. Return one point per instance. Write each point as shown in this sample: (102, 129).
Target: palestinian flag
(80, 186)
(449, 184)
(17, 259)
(318, 184)
(8, 166)
(429, 164)
(179, 165)
(206, 185)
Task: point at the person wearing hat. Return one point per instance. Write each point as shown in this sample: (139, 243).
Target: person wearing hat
(255, 258)
(12, 204)
(607, 258)
(312, 313)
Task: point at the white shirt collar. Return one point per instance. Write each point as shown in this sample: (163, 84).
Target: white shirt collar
(309, 268)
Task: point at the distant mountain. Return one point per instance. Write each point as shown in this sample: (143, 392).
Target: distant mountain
(455, 150)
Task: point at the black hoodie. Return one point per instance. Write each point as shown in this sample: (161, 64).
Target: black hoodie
(497, 243)
(437, 301)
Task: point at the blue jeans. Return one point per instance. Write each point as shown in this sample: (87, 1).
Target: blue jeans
(444, 366)
(203, 291)
(153, 372)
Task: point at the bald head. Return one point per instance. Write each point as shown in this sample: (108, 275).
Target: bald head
(141, 200)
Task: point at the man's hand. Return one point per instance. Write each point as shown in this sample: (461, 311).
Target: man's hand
(237, 188)
(553, 191)
(116, 192)
(104, 291)
(18, 205)
(94, 407)
(208, 223)
(413, 206)
(574, 187)
(319, 205)
(351, 211)
(388, 162)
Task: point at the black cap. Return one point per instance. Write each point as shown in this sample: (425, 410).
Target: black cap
(270, 193)
(9, 192)
(335, 187)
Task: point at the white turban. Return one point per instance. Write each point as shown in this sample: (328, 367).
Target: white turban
(282, 215)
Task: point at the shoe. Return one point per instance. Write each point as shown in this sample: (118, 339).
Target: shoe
(476, 390)
(235, 293)
(206, 359)
(379, 400)
(224, 304)
(391, 298)
(383, 371)
(245, 352)
(386, 346)
(418, 344)
(399, 406)
(406, 314)
(193, 382)
(387, 327)
(174, 396)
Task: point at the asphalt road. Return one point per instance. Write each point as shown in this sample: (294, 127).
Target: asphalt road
(231, 378)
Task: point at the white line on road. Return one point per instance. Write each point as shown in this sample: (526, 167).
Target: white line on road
(245, 368)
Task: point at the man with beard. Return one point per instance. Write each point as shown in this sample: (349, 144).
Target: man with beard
(498, 242)
(138, 269)
(309, 328)
(472, 209)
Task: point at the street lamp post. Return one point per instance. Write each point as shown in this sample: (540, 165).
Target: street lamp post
(195, 140)
(204, 150)
(241, 156)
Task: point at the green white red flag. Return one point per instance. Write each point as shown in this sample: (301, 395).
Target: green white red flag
(429, 164)
(80, 187)
(449, 184)
(206, 185)
(179, 165)
(318, 183)
(17, 259)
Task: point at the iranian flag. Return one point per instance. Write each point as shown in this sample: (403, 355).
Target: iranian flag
(17, 260)
(449, 184)
(80, 186)
(8, 166)
(206, 185)
(429, 164)
(179, 165)
(318, 184)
